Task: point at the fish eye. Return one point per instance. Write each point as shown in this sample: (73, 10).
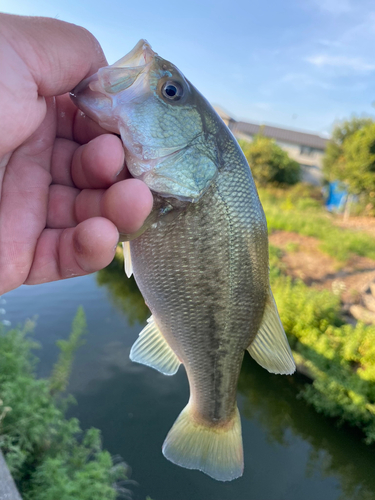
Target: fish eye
(172, 91)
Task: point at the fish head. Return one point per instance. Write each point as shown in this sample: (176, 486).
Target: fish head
(160, 117)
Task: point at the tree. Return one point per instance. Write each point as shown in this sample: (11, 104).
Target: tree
(358, 164)
(270, 163)
(334, 160)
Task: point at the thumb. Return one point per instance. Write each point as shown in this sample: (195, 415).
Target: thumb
(58, 54)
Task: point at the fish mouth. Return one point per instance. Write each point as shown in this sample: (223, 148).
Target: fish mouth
(96, 95)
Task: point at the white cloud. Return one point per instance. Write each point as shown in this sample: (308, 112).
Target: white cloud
(334, 6)
(362, 32)
(301, 80)
(345, 62)
(330, 43)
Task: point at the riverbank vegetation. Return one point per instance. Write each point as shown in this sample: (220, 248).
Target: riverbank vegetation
(48, 455)
(338, 357)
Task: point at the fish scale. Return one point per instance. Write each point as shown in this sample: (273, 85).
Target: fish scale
(201, 257)
(212, 309)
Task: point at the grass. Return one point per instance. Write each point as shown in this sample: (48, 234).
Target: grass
(285, 210)
(292, 247)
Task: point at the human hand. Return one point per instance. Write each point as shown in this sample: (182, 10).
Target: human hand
(64, 191)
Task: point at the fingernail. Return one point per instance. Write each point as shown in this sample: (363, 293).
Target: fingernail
(121, 169)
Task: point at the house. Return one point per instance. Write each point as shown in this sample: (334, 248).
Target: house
(307, 149)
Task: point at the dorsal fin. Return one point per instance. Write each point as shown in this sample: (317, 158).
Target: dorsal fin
(152, 349)
(270, 347)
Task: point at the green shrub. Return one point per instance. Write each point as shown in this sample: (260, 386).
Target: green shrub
(269, 163)
(49, 456)
(359, 160)
(83, 472)
(350, 158)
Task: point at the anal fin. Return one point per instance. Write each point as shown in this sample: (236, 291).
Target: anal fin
(152, 349)
(127, 259)
(270, 347)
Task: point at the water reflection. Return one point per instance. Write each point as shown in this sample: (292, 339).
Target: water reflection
(124, 292)
(273, 401)
(268, 403)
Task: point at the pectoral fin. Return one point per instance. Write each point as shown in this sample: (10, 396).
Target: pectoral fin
(127, 259)
(270, 347)
(152, 349)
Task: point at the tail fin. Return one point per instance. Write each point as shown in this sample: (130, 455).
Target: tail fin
(216, 451)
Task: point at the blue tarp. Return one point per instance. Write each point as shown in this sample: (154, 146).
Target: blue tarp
(336, 197)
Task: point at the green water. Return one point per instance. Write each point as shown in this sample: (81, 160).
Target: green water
(291, 452)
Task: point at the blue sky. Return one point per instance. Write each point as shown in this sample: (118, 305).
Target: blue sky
(295, 63)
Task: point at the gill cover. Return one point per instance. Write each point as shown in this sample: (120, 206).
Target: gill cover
(185, 175)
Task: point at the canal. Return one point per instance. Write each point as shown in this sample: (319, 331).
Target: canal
(291, 452)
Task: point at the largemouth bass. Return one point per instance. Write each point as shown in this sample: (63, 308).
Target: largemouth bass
(201, 258)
